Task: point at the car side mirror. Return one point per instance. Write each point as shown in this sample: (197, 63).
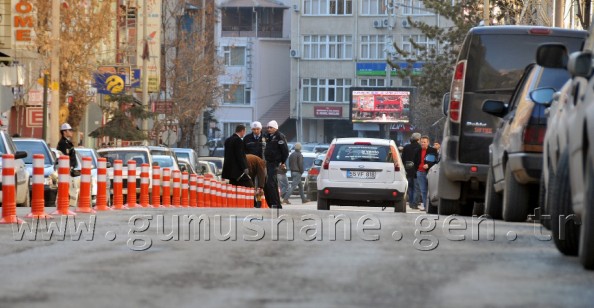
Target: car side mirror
(20, 154)
(580, 64)
(552, 55)
(203, 170)
(445, 103)
(496, 108)
(107, 165)
(183, 168)
(543, 96)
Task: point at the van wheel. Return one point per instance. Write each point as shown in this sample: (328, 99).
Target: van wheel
(323, 204)
(587, 232)
(561, 204)
(516, 198)
(400, 206)
(448, 207)
(493, 200)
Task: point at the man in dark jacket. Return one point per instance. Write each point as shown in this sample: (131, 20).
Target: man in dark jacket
(408, 158)
(296, 166)
(235, 167)
(67, 147)
(425, 158)
(254, 141)
(276, 153)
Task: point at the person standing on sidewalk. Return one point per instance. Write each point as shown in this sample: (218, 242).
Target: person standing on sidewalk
(254, 141)
(67, 147)
(425, 158)
(235, 167)
(296, 166)
(408, 157)
(276, 154)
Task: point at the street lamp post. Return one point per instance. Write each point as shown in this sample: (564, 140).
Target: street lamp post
(55, 75)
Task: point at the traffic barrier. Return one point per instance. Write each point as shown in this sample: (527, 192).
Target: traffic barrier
(37, 190)
(156, 186)
(251, 197)
(63, 200)
(176, 201)
(229, 193)
(206, 192)
(193, 190)
(232, 196)
(263, 204)
(213, 193)
(102, 193)
(220, 202)
(84, 191)
(131, 185)
(185, 190)
(144, 185)
(166, 197)
(118, 185)
(8, 191)
(200, 191)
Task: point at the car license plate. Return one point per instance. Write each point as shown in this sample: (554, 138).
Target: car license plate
(352, 174)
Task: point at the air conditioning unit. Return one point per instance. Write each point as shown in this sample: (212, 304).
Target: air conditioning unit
(296, 7)
(405, 24)
(379, 23)
(294, 53)
(386, 23)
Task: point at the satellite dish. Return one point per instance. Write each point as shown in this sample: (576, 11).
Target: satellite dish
(169, 137)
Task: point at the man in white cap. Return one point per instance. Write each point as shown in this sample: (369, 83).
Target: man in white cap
(66, 146)
(254, 141)
(276, 153)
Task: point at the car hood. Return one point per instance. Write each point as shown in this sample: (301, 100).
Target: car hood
(47, 170)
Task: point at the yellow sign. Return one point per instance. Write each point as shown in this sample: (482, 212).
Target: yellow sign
(114, 84)
(54, 86)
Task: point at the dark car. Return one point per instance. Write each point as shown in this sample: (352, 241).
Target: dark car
(38, 146)
(516, 152)
(490, 64)
(311, 181)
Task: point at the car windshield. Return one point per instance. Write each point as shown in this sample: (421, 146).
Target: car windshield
(356, 152)
(140, 157)
(217, 163)
(33, 147)
(88, 153)
(308, 147)
(164, 161)
(183, 155)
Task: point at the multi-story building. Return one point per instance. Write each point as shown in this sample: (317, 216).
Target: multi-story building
(338, 44)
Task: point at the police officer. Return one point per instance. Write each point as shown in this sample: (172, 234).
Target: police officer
(276, 154)
(67, 147)
(254, 141)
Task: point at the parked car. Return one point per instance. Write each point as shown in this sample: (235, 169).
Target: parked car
(74, 187)
(362, 171)
(311, 181)
(189, 154)
(208, 167)
(218, 161)
(88, 152)
(39, 146)
(320, 148)
(22, 178)
(490, 64)
(186, 166)
(516, 152)
(140, 154)
(570, 188)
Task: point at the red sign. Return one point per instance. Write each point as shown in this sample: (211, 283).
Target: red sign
(327, 112)
(163, 107)
(34, 117)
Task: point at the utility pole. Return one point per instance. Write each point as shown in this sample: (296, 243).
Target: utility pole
(559, 9)
(145, 94)
(486, 10)
(54, 123)
(202, 148)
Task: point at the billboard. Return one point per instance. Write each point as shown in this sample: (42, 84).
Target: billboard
(381, 105)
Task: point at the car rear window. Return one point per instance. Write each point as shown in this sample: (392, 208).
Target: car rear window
(139, 156)
(356, 152)
(183, 155)
(498, 60)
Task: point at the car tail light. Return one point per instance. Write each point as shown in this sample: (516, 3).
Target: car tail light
(313, 172)
(394, 193)
(395, 158)
(540, 31)
(362, 143)
(457, 92)
(326, 191)
(473, 169)
(534, 138)
(328, 155)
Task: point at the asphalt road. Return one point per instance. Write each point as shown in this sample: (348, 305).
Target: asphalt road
(381, 265)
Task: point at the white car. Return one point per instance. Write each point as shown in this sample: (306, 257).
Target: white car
(21, 174)
(362, 172)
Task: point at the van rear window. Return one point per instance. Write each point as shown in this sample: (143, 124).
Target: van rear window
(354, 152)
(498, 60)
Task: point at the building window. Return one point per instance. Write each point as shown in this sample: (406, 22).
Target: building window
(328, 47)
(373, 46)
(420, 40)
(229, 127)
(414, 7)
(234, 56)
(373, 82)
(373, 7)
(407, 82)
(327, 7)
(325, 90)
(236, 94)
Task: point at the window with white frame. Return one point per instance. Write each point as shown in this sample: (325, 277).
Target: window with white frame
(373, 7)
(236, 94)
(375, 82)
(229, 127)
(414, 7)
(325, 90)
(420, 40)
(234, 55)
(328, 47)
(327, 7)
(372, 46)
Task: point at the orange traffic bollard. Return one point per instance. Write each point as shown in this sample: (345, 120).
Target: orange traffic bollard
(37, 193)
(102, 193)
(63, 201)
(8, 191)
(200, 191)
(185, 190)
(166, 187)
(144, 185)
(231, 195)
(264, 204)
(84, 192)
(156, 186)
(193, 202)
(206, 192)
(131, 185)
(118, 185)
(176, 201)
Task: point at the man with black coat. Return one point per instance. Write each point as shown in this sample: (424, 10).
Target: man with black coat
(408, 158)
(254, 141)
(67, 147)
(425, 158)
(235, 167)
(276, 153)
